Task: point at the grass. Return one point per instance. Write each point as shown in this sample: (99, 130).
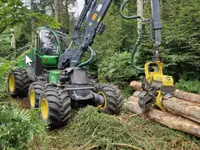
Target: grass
(90, 129)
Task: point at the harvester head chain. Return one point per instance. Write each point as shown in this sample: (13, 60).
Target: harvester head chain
(147, 99)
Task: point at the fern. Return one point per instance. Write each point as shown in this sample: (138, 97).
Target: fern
(19, 128)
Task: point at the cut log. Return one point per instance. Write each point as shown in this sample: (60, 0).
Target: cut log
(187, 96)
(178, 93)
(177, 106)
(184, 108)
(165, 118)
(136, 85)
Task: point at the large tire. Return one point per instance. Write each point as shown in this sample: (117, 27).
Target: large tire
(35, 89)
(113, 100)
(55, 106)
(18, 83)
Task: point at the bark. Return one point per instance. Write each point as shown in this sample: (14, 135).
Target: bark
(33, 24)
(57, 10)
(140, 10)
(178, 93)
(184, 108)
(13, 38)
(33, 29)
(165, 118)
(65, 15)
(187, 96)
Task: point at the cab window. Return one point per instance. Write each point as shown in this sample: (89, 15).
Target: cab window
(48, 43)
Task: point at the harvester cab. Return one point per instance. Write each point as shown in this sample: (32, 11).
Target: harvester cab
(53, 75)
(156, 85)
(50, 44)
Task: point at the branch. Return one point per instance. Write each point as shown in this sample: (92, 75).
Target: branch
(89, 140)
(126, 145)
(95, 146)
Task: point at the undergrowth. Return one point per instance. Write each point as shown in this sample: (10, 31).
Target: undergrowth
(92, 130)
(192, 86)
(20, 129)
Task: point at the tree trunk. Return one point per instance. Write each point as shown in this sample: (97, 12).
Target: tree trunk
(165, 118)
(65, 15)
(57, 10)
(33, 30)
(178, 93)
(139, 13)
(33, 25)
(13, 38)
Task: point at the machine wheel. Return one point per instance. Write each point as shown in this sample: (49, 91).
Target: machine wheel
(18, 83)
(112, 99)
(55, 106)
(35, 89)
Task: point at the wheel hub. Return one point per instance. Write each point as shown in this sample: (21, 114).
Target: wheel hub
(103, 102)
(44, 109)
(11, 83)
(32, 98)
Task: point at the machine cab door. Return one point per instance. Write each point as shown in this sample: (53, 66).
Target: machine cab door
(48, 48)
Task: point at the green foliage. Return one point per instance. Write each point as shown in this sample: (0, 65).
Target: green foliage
(192, 86)
(5, 67)
(20, 129)
(90, 128)
(117, 69)
(12, 13)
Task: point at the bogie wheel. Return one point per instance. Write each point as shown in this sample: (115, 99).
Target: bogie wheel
(113, 100)
(55, 106)
(35, 89)
(18, 83)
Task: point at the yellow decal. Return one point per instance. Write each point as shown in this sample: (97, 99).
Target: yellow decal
(94, 16)
(46, 60)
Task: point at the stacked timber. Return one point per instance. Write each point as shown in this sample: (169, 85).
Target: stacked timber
(182, 110)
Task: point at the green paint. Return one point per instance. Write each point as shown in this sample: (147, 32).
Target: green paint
(99, 19)
(49, 61)
(21, 60)
(54, 76)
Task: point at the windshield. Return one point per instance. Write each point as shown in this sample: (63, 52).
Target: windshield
(48, 43)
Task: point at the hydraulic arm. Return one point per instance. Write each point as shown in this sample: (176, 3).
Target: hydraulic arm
(87, 26)
(155, 85)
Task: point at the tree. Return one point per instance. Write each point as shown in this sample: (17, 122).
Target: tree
(12, 13)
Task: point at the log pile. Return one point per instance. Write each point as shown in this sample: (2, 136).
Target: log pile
(182, 110)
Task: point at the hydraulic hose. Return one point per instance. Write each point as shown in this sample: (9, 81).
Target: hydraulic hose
(127, 17)
(93, 54)
(135, 48)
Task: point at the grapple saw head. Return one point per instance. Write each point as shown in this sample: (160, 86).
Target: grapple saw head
(155, 86)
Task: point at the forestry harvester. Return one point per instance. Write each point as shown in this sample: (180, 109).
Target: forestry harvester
(53, 75)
